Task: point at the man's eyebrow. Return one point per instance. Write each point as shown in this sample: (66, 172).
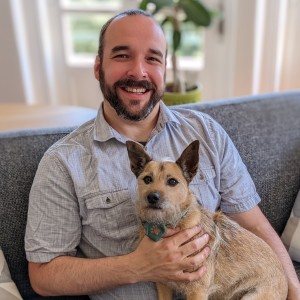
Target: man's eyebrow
(156, 52)
(119, 48)
(126, 48)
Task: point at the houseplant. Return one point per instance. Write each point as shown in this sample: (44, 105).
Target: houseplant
(175, 12)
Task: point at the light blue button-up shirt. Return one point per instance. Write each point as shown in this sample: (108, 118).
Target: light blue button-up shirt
(83, 196)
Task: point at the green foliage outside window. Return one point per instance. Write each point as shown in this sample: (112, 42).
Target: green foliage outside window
(85, 31)
(85, 28)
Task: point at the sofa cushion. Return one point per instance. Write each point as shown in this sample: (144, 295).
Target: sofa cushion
(8, 289)
(291, 233)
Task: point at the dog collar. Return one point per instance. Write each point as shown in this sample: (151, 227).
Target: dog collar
(155, 231)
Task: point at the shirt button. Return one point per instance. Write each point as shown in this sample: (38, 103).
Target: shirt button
(108, 200)
(201, 177)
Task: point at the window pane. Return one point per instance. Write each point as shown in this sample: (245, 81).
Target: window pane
(84, 32)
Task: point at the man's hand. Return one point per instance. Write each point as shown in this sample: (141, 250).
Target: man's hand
(171, 258)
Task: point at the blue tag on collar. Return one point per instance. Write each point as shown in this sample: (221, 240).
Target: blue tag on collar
(154, 230)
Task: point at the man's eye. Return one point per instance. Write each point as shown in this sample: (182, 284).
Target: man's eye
(121, 56)
(147, 179)
(154, 59)
(172, 182)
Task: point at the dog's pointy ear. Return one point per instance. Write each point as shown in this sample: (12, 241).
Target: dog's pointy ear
(188, 161)
(137, 156)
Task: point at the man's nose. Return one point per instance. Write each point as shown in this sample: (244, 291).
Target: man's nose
(137, 70)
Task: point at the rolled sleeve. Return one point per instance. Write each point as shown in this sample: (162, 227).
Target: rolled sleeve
(53, 224)
(237, 189)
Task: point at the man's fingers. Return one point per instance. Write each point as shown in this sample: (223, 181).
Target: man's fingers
(192, 263)
(185, 235)
(192, 276)
(171, 231)
(195, 245)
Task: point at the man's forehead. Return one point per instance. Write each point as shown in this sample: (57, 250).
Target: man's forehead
(134, 19)
(135, 26)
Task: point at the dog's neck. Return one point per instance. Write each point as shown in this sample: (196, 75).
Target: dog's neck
(155, 230)
(175, 220)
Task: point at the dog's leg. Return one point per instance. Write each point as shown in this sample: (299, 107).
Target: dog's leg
(164, 292)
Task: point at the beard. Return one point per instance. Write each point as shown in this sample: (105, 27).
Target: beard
(110, 94)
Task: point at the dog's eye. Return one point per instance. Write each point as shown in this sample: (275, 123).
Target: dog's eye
(172, 182)
(147, 179)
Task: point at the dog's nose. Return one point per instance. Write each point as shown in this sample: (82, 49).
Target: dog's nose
(153, 198)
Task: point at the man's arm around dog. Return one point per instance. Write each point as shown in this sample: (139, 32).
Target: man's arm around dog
(152, 261)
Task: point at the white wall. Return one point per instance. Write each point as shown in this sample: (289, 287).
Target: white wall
(290, 78)
(230, 52)
(11, 83)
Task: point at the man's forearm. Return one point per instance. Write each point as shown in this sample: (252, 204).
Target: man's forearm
(66, 275)
(160, 261)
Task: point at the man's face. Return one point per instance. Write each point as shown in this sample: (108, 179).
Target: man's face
(132, 72)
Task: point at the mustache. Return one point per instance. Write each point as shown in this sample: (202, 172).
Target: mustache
(135, 83)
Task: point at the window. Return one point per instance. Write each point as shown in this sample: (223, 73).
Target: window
(83, 19)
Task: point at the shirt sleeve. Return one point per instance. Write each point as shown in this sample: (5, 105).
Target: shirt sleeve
(53, 225)
(237, 189)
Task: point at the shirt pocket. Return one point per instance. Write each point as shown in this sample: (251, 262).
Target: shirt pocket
(112, 215)
(204, 188)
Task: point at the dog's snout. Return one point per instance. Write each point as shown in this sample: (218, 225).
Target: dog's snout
(153, 198)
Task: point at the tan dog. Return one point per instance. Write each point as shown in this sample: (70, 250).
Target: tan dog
(240, 265)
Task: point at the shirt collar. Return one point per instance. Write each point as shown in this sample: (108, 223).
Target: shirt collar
(104, 132)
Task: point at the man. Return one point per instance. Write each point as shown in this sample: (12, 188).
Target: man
(82, 229)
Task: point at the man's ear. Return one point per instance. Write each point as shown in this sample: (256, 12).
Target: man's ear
(97, 67)
(137, 156)
(188, 161)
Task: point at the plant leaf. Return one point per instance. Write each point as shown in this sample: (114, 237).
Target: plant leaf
(166, 20)
(143, 4)
(159, 4)
(196, 12)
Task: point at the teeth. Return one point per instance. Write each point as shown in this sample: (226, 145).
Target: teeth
(135, 90)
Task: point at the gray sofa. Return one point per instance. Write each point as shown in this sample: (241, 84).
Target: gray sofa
(265, 129)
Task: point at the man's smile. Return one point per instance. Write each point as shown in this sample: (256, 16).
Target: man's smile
(134, 90)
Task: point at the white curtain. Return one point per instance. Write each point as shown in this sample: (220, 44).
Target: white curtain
(257, 52)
